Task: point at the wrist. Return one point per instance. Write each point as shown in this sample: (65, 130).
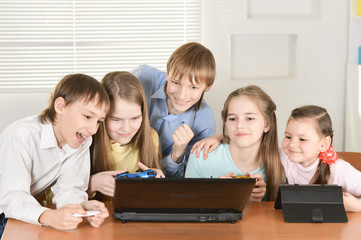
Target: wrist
(44, 217)
(176, 158)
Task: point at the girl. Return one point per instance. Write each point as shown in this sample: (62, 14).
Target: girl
(308, 156)
(126, 142)
(250, 144)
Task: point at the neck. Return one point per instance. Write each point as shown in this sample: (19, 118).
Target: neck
(246, 159)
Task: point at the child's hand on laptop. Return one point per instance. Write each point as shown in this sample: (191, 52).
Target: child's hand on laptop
(228, 175)
(158, 172)
(94, 205)
(103, 182)
(259, 190)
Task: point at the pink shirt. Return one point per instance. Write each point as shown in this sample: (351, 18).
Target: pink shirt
(342, 174)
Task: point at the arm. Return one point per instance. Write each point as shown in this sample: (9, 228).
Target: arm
(208, 145)
(351, 203)
(103, 182)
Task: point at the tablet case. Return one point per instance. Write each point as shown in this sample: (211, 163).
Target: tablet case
(314, 203)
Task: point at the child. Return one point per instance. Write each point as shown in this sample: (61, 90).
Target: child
(308, 156)
(52, 150)
(250, 145)
(175, 103)
(127, 142)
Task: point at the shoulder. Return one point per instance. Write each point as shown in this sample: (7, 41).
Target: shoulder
(204, 117)
(220, 153)
(148, 72)
(341, 165)
(23, 128)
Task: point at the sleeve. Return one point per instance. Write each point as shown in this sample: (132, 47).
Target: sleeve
(73, 180)
(194, 169)
(151, 78)
(16, 200)
(349, 178)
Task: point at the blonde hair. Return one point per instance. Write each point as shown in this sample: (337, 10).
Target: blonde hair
(268, 151)
(196, 62)
(126, 86)
(74, 87)
(324, 128)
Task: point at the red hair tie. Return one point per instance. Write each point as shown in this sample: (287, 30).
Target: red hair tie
(329, 156)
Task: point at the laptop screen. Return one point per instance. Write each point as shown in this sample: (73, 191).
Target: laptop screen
(188, 194)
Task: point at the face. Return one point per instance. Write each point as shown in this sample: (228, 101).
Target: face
(77, 121)
(183, 94)
(245, 123)
(302, 142)
(124, 121)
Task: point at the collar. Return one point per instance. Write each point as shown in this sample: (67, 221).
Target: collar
(48, 139)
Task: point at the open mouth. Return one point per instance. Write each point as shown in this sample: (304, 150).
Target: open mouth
(80, 137)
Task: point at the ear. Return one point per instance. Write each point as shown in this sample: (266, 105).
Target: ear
(267, 127)
(59, 105)
(325, 143)
(208, 88)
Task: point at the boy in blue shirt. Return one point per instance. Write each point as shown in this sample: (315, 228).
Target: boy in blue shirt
(52, 150)
(175, 102)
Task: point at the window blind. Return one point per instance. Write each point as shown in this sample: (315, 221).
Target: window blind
(43, 40)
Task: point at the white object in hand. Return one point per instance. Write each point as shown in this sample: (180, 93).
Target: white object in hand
(88, 214)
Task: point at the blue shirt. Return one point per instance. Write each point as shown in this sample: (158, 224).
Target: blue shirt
(201, 122)
(218, 163)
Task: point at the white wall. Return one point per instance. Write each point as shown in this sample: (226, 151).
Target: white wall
(318, 73)
(316, 77)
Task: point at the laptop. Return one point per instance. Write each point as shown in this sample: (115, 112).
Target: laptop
(181, 200)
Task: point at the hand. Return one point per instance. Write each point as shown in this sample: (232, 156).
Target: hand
(208, 144)
(259, 191)
(158, 172)
(229, 175)
(103, 182)
(351, 203)
(62, 218)
(98, 219)
(181, 137)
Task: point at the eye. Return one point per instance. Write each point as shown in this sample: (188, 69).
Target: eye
(250, 118)
(194, 87)
(87, 116)
(99, 121)
(232, 119)
(288, 137)
(303, 139)
(136, 118)
(175, 82)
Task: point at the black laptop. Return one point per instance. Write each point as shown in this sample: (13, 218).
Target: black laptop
(181, 200)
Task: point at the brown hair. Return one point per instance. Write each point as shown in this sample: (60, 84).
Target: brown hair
(324, 128)
(126, 86)
(268, 151)
(72, 88)
(193, 60)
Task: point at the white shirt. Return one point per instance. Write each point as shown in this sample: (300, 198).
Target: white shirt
(31, 161)
(342, 174)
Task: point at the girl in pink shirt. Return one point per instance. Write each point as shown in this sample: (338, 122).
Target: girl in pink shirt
(308, 156)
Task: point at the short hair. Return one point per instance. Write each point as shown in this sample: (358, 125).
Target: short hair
(74, 87)
(196, 62)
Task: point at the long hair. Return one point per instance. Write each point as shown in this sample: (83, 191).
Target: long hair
(74, 87)
(268, 151)
(324, 128)
(196, 62)
(126, 86)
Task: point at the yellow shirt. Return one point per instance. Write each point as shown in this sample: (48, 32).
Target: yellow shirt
(124, 157)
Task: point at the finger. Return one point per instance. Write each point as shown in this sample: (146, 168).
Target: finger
(199, 149)
(194, 147)
(142, 166)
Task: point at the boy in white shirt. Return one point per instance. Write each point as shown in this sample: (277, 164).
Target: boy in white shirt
(52, 150)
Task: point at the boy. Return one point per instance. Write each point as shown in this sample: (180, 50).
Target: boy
(52, 150)
(175, 102)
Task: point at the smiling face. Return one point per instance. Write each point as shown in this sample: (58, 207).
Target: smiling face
(77, 121)
(302, 142)
(124, 121)
(245, 124)
(183, 94)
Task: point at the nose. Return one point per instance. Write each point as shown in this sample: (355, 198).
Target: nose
(93, 128)
(239, 123)
(293, 142)
(182, 94)
(126, 125)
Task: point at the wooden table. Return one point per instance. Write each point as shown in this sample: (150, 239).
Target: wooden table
(260, 221)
